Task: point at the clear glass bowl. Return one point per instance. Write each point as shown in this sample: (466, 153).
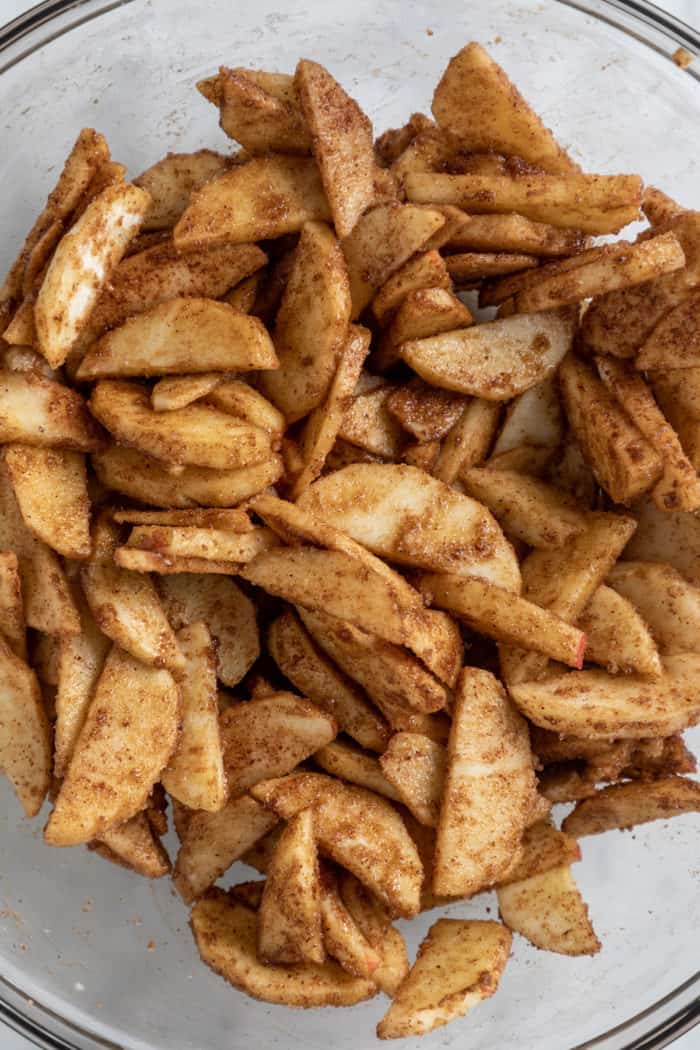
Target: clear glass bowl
(92, 956)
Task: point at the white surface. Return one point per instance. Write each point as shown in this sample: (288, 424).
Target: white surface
(685, 9)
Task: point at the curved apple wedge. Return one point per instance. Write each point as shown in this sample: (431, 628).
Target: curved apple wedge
(374, 922)
(459, 964)
(195, 773)
(197, 435)
(228, 613)
(403, 514)
(342, 936)
(634, 802)
(549, 911)
(25, 736)
(289, 919)
(269, 735)
(82, 266)
(315, 676)
(358, 830)
(497, 360)
(489, 788)
(211, 842)
(181, 337)
(133, 845)
(601, 706)
(130, 732)
(225, 932)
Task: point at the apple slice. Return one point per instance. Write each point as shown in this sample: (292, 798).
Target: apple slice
(459, 964)
(357, 829)
(225, 932)
(549, 911)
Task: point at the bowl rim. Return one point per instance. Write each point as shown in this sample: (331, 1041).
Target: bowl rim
(39, 26)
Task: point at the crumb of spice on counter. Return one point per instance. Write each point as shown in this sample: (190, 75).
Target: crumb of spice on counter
(682, 57)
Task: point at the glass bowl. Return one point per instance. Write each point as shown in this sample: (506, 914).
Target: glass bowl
(92, 956)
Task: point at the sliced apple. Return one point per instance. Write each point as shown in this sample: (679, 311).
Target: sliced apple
(273, 195)
(25, 735)
(82, 264)
(489, 788)
(459, 964)
(225, 932)
(549, 911)
(598, 705)
(289, 919)
(357, 829)
(228, 613)
(497, 360)
(110, 774)
(211, 842)
(195, 773)
(297, 727)
(315, 676)
(404, 515)
(634, 802)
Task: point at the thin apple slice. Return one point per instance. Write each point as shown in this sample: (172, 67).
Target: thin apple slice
(402, 514)
(342, 937)
(634, 802)
(594, 204)
(297, 726)
(141, 478)
(82, 265)
(506, 617)
(25, 735)
(211, 842)
(228, 613)
(127, 609)
(160, 273)
(81, 658)
(474, 84)
(195, 773)
(258, 109)
(181, 337)
(527, 509)
(459, 964)
(225, 932)
(666, 602)
(341, 142)
(324, 424)
(598, 705)
(294, 183)
(416, 766)
(197, 435)
(393, 679)
(170, 181)
(356, 767)
(314, 675)
(489, 788)
(357, 829)
(564, 581)
(381, 242)
(617, 637)
(38, 411)
(50, 486)
(311, 324)
(133, 845)
(497, 360)
(289, 918)
(543, 847)
(374, 921)
(549, 911)
(110, 774)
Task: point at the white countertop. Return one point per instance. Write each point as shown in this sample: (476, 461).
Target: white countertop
(689, 10)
